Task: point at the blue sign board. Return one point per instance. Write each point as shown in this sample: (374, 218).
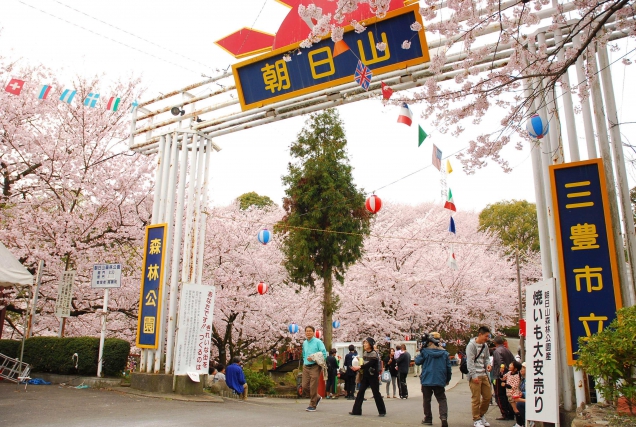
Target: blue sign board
(585, 243)
(269, 78)
(150, 293)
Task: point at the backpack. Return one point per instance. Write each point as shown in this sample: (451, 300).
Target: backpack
(463, 366)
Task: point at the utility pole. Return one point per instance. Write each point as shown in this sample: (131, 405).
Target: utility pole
(522, 338)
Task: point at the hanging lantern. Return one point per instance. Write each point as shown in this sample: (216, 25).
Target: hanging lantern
(373, 204)
(407, 338)
(262, 288)
(264, 236)
(335, 324)
(318, 334)
(537, 127)
(292, 328)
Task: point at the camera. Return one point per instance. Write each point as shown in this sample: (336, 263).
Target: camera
(425, 339)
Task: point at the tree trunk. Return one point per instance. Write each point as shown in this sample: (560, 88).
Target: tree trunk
(327, 309)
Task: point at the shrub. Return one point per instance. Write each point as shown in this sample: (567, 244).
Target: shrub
(10, 348)
(512, 331)
(55, 355)
(610, 356)
(259, 383)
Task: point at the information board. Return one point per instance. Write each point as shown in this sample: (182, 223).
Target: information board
(65, 294)
(106, 276)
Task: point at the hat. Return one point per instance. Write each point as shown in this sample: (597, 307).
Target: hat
(435, 335)
(371, 341)
(523, 364)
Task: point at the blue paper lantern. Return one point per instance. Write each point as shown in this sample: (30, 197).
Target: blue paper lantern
(336, 324)
(264, 236)
(293, 328)
(537, 127)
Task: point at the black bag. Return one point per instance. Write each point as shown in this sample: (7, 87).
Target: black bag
(463, 366)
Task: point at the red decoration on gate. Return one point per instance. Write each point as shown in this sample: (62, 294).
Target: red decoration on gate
(522, 327)
(373, 204)
(262, 288)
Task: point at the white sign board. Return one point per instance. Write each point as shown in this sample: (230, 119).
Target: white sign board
(65, 294)
(542, 392)
(194, 337)
(106, 276)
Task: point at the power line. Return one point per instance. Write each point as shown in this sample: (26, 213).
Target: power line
(134, 35)
(108, 38)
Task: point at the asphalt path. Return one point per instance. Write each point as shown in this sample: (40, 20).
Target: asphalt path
(66, 406)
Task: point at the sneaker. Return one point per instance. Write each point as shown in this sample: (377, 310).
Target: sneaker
(427, 422)
(320, 398)
(310, 409)
(478, 423)
(444, 423)
(484, 421)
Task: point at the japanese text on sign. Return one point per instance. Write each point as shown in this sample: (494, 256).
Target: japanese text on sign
(65, 294)
(150, 293)
(589, 274)
(106, 276)
(270, 78)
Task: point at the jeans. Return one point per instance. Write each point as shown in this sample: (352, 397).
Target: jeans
(404, 391)
(369, 381)
(481, 394)
(440, 396)
(393, 381)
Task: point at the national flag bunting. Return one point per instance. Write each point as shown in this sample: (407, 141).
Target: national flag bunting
(91, 100)
(340, 47)
(437, 158)
(449, 168)
(15, 86)
(386, 91)
(451, 227)
(450, 203)
(44, 91)
(113, 104)
(363, 75)
(422, 136)
(68, 95)
(452, 261)
(405, 116)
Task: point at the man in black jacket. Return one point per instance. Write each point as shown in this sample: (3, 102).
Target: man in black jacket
(502, 357)
(403, 363)
(350, 375)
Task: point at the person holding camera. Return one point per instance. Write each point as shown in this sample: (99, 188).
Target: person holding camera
(435, 376)
(370, 378)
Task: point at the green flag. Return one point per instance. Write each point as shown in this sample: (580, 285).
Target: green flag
(422, 136)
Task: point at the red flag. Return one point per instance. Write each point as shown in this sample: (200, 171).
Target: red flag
(386, 91)
(15, 86)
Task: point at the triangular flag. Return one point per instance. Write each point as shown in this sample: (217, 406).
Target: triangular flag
(452, 261)
(340, 47)
(449, 168)
(450, 203)
(135, 104)
(422, 136)
(386, 91)
(451, 227)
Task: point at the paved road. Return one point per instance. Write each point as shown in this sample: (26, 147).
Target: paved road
(63, 406)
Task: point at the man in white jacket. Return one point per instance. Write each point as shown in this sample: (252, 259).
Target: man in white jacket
(478, 362)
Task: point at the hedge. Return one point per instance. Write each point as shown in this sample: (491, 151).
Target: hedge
(55, 355)
(10, 348)
(512, 331)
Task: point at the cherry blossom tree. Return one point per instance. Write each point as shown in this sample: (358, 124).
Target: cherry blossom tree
(72, 195)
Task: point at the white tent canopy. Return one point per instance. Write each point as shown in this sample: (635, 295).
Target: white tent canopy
(11, 271)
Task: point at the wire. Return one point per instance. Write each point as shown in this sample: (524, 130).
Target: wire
(134, 35)
(249, 32)
(108, 38)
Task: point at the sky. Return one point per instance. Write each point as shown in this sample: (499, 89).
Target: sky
(170, 45)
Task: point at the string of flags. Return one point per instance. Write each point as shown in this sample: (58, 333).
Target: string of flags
(16, 86)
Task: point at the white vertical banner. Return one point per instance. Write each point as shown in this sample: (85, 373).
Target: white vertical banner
(65, 294)
(542, 382)
(194, 336)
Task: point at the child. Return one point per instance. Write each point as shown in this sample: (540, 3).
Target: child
(512, 380)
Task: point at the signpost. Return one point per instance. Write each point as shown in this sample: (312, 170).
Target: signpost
(269, 78)
(195, 329)
(587, 261)
(150, 291)
(542, 392)
(64, 298)
(105, 276)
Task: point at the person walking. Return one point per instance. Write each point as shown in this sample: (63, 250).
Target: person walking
(501, 360)
(391, 366)
(370, 378)
(478, 363)
(332, 372)
(403, 365)
(311, 369)
(235, 379)
(350, 374)
(436, 374)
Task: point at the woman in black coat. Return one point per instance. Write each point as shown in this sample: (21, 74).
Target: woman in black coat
(332, 373)
(370, 378)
